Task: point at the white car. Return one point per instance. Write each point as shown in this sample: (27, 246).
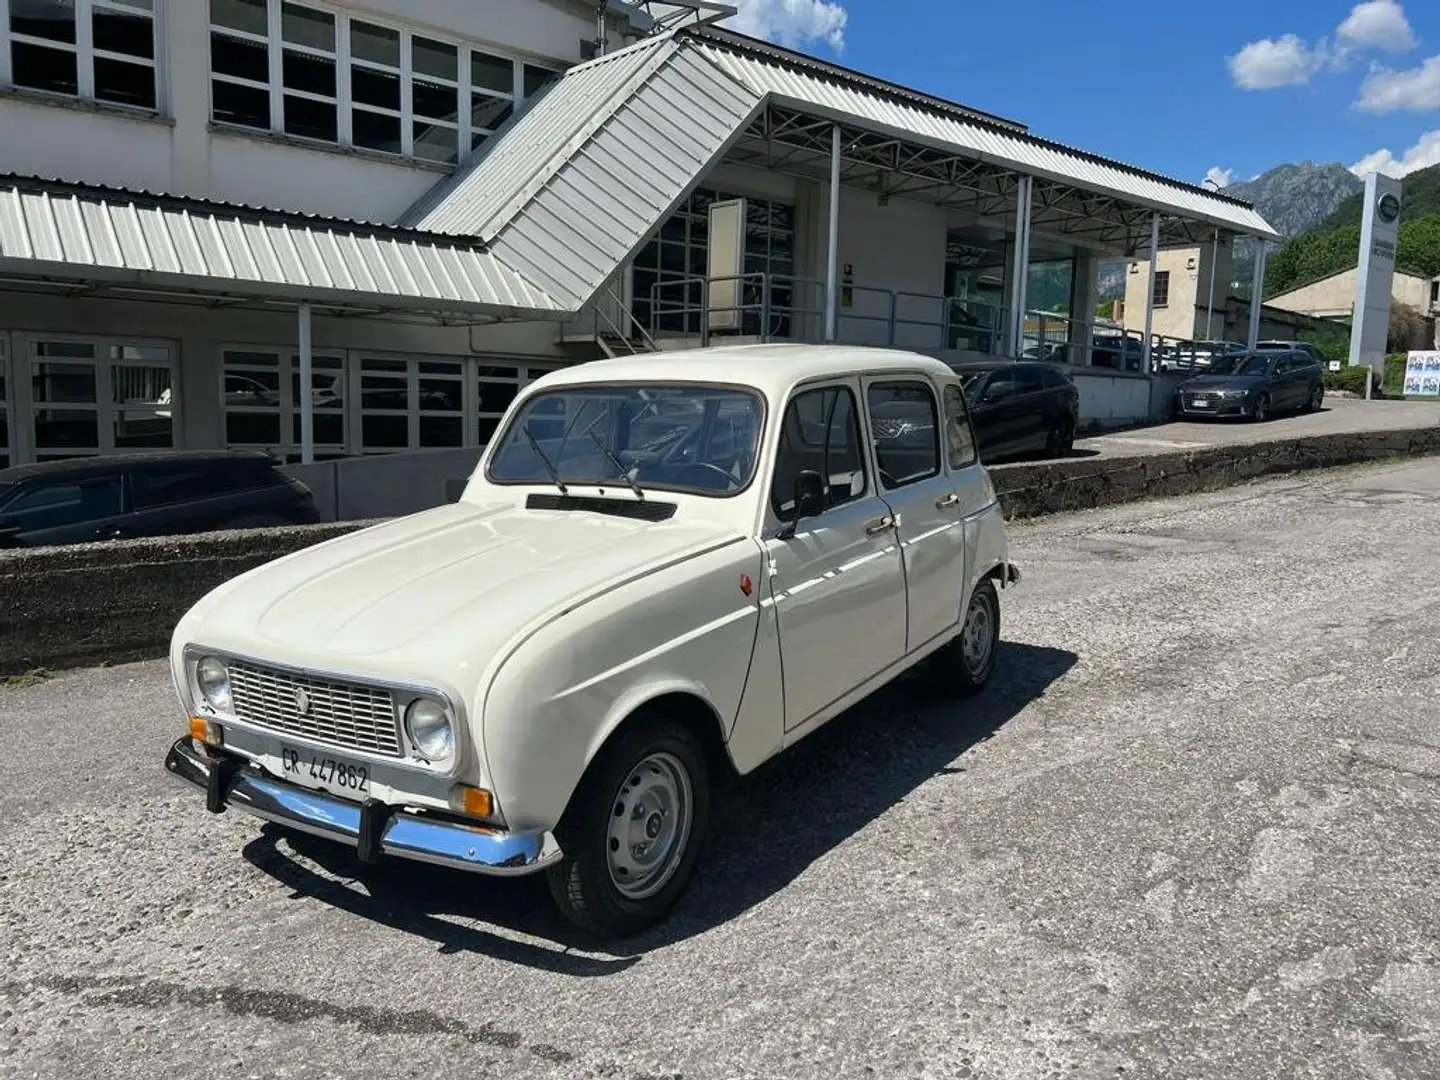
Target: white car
(665, 568)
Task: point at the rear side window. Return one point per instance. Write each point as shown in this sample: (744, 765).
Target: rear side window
(959, 439)
(1031, 380)
(52, 506)
(907, 432)
(192, 482)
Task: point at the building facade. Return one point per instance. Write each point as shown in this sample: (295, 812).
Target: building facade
(349, 229)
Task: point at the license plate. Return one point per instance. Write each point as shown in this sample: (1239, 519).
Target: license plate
(1200, 403)
(317, 770)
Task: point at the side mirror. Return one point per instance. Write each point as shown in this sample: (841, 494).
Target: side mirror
(809, 496)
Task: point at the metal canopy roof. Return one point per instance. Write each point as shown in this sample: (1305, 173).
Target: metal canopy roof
(54, 231)
(602, 158)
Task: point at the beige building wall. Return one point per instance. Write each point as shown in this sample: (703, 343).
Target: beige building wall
(1187, 274)
(1334, 296)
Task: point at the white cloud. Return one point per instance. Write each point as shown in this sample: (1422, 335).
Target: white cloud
(793, 23)
(1378, 24)
(1273, 62)
(1424, 153)
(1386, 90)
(1218, 176)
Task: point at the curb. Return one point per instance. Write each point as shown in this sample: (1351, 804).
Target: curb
(111, 603)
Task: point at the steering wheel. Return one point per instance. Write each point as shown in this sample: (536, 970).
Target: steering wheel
(709, 468)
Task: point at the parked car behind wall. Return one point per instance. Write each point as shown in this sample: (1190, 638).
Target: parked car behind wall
(79, 500)
(1021, 408)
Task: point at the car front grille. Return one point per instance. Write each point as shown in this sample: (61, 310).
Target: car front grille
(340, 714)
(1202, 400)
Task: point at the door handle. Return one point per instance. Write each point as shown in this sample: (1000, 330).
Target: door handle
(953, 499)
(880, 525)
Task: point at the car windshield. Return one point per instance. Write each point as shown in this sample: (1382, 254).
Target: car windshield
(1254, 364)
(698, 439)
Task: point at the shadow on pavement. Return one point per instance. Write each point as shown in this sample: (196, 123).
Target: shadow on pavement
(766, 829)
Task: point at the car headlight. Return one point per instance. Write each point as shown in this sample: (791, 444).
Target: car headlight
(1236, 393)
(213, 679)
(427, 722)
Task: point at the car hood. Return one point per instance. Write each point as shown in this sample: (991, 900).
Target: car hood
(1223, 382)
(436, 591)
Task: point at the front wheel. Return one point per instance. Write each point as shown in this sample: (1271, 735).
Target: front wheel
(1260, 411)
(964, 666)
(633, 832)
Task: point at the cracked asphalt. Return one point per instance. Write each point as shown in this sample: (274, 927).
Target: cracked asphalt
(1192, 831)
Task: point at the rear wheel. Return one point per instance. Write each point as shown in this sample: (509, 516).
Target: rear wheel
(1061, 438)
(964, 666)
(1317, 397)
(634, 829)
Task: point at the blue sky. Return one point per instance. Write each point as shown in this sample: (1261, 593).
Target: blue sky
(1178, 88)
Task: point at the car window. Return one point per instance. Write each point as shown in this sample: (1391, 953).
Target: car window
(1001, 385)
(51, 506)
(189, 482)
(906, 428)
(1054, 380)
(820, 432)
(1030, 380)
(960, 440)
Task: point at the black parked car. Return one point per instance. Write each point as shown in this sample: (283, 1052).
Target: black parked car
(1019, 408)
(78, 500)
(1254, 384)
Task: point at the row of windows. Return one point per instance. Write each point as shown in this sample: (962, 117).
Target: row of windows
(283, 67)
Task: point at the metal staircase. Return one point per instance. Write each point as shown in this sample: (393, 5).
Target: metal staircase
(609, 328)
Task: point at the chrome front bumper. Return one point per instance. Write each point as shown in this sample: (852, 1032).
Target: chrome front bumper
(373, 828)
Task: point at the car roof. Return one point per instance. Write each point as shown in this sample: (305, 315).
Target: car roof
(773, 369)
(78, 466)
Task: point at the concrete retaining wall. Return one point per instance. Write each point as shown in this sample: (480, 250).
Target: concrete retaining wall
(95, 603)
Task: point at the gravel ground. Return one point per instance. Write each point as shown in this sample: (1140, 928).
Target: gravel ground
(1191, 831)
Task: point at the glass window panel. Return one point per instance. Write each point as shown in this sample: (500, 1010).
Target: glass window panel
(142, 432)
(489, 112)
(383, 432)
(40, 68)
(496, 397)
(672, 258)
(114, 31)
(66, 429)
(492, 72)
(240, 58)
(255, 429)
(427, 367)
(440, 395)
(245, 106)
(53, 20)
(497, 371)
(247, 15)
(435, 58)
(536, 79)
(157, 353)
(308, 27)
(435, 143)
(124, 84)
(63, 382)
(384, 392)
(674, 228)
(376, 44)
(329, 428)
(309, 74)
(374, 131)
(72, 350)
(378, 363)
(435, 102)
(251, 359)
(442, 431)
(487, 429)
(371, 87)
(310, 119)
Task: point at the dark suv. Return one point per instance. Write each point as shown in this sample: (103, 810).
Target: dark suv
(78, 500)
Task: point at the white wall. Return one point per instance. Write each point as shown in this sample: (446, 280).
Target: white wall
(176, 153)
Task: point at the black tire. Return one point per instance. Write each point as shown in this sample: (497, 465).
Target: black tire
(1316, 399)
(582, 882)
(1260, 411)
(1061, 438)
(959, 671)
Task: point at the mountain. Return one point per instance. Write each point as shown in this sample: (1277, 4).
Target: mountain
(1294, 198)
(1334, 244)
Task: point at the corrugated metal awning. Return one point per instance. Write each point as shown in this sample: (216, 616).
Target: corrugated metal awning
(587, 173)
(51, 230)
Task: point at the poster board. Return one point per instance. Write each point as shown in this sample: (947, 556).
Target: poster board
(1422, 374)
(725, 263)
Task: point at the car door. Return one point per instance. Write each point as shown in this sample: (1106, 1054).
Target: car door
(916, 486)
(1290, 382)
(837, 583)
(1005, 419)
(68, 510)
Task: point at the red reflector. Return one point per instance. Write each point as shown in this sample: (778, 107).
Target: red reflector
(746, 585)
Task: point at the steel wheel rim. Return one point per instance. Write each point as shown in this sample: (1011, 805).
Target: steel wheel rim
(649, 826)
(1262, 406)
(977, 639)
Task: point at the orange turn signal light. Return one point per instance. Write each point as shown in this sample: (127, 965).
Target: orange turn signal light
(472, 801)
(206, 731)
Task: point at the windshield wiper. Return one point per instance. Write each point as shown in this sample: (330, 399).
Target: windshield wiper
(549, 465)
(620, 469)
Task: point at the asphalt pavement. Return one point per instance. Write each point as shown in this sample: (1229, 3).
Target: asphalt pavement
(1191, 831)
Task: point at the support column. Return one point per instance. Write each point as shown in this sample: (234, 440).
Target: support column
(1210, 301)
(1257, 294)
(1020, 268)
(307, 390)
(1084, 292)
(1150, 293)
(832, 257)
